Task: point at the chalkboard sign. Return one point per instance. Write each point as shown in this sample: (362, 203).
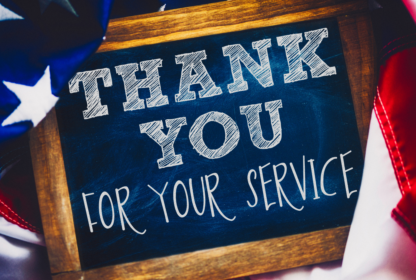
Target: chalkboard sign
(206, 153)
(209, 142)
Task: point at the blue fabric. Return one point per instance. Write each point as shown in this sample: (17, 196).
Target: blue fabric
(55, 38)
(394, 28)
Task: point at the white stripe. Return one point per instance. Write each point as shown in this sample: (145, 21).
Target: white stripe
(12, 230)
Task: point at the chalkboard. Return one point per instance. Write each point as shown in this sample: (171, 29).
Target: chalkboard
(208, 142)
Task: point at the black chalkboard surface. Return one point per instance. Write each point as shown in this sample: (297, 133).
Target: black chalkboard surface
(208, 142)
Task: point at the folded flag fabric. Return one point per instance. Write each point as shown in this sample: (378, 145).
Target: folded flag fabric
(43, 42)
(398, 121)
(395, 102)
(18, 199)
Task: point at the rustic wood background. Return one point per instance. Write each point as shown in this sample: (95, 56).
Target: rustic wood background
(230, 261)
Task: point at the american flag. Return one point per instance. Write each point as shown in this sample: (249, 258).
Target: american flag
(43, 43)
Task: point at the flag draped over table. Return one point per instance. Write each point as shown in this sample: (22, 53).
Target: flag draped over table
(43, 42)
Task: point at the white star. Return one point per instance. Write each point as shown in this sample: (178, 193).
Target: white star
(6, 14)
(64, 3)
(35, 101)
(162, 8)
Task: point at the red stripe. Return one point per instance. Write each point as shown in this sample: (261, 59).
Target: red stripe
(14, 218)
(388, 133)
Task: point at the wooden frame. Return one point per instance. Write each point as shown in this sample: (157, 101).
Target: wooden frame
(230, 261)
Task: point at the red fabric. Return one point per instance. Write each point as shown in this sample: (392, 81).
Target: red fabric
(395, 108)
(405, 213)
(18, 198)
(411, 7)
(7, 211)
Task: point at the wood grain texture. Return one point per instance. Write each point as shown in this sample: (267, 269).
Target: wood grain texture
(53, 196)
(218, 18)
(360, 56)
(230, 261)
(225, 262)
